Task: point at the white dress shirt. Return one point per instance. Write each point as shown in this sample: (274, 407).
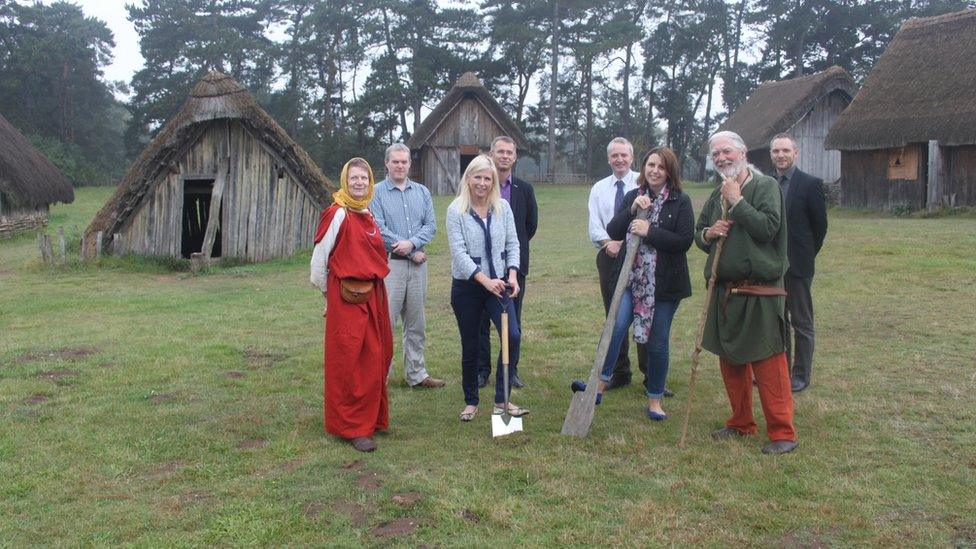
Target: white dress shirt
(602, 195)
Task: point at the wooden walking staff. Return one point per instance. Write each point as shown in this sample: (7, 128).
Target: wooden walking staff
(695, 356)
(581, 408)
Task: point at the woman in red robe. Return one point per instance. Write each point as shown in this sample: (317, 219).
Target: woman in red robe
(349, 257)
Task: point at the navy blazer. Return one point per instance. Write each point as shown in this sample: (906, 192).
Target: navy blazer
(526, 213)
(806, 222)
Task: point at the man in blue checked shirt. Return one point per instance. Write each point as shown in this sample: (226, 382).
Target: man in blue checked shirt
(404, 212)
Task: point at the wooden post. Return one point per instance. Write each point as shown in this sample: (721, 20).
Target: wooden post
(117, 245)
(40, 247)
(98, 244)
(197, 262)
(62, 245)
(48, 252)
(214, 219)
(935, 177)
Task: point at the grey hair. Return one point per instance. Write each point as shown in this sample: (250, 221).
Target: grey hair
(502, 139)
(783, 136)
(731, 136)
(396, 147)
(620, 141)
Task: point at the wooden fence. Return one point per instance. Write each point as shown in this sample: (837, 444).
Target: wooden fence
(54, 250)
(559, 179)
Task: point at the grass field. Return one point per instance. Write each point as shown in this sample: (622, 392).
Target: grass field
(149, 407)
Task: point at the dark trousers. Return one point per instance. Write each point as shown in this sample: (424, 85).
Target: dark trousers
(799, 316)
(604, 267)
(484, 346)
(469, 300)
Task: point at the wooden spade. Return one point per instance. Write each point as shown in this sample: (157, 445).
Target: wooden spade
(581, 407)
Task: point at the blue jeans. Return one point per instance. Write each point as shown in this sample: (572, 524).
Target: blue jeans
(469, 299)
(657, 348)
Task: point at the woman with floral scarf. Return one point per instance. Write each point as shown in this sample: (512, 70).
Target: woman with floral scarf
(659, 279)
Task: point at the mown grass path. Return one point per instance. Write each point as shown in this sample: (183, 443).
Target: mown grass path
(150, 407)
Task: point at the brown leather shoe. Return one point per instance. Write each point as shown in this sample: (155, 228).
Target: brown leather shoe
(431, 383)
(364, 444)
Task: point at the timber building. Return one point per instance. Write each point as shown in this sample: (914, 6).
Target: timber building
(221, 178)
(805, 107)
(909, 138)
(29, 183)
(462, 126)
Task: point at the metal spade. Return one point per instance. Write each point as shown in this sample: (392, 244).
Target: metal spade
(503, 423)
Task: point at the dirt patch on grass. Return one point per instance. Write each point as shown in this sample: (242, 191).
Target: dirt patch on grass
(168, 469)
(313, 509)
(234, 374)
(159, 398)
(369, 480)
(261, 358)
(64, 353)
(407, 499)
(36, 399)
(470, 516)
(398, 527)
(57, 375)
(353, 466)
(182, 501)
(252, 444)
(357, 513)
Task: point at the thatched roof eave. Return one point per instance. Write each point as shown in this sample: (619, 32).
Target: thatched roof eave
(28, 179)
(920, 90)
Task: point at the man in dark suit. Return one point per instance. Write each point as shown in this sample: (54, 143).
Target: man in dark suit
(806, 222)
(521, 197)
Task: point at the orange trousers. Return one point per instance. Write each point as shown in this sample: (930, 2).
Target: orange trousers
(773, 378)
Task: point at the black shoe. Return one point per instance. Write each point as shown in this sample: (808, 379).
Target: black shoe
(726, 433)
(797, 385)
(668, 394)
(616, 383)
(482, 381)
(517, 382)
(779, 447)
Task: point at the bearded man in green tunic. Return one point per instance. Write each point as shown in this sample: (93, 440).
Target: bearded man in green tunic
(745, 325)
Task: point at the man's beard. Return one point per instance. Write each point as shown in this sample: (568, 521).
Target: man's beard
(733, 170)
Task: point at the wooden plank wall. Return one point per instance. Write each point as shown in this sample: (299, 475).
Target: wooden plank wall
(961, 174)
(437, 179)
(469, 124)
(865, 184)
(262, 216)
(810, 133)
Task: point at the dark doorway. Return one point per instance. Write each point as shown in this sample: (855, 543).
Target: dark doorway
(196, 213)
(465, 160)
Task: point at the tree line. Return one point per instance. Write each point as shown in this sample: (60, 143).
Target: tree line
(347, 77)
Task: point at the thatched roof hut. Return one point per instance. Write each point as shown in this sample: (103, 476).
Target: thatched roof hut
(805, 107)
(462, 126)
(29, 183)
(909, 138)
(221, 147)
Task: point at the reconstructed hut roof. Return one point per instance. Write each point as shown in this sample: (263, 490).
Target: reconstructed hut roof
(217, 96)
(776, 107)
(27, 177)
(468, 85)
(923, 88)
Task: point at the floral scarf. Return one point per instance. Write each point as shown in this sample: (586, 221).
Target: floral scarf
(642, 275)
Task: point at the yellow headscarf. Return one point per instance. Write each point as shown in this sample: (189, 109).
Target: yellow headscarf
(342, 196)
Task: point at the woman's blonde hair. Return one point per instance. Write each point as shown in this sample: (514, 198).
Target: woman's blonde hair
(462, 203)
